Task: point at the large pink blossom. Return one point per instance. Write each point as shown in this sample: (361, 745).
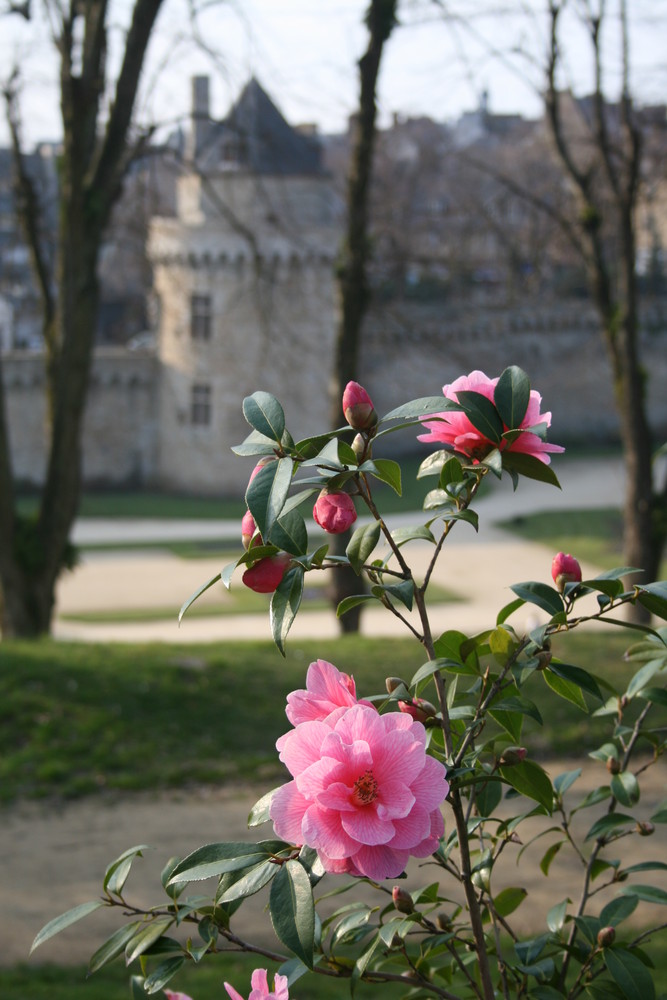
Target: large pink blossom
(364, 792)
(327, 690)
(260, 987)
(455, 429)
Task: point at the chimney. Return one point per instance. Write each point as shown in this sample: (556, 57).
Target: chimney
(200, 119)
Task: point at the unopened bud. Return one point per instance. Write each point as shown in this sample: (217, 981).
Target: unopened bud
(402, 900)
(443, 922)
(248, 528)
(420, 709)
(359, 446)
(392, 683)
(645, 829)
(544, 659)
(606, 936)
(565, 569)
(334, 512)
(613, 765)
(623, 702)
(358, 407)
(513, 755)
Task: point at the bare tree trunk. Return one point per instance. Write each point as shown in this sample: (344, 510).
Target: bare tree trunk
(34, 552)
(352, 269)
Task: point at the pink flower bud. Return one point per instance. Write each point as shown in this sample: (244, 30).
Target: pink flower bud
(565, 569)
(266, 574)
(606, 936)
(420, 709)
(260, 465)
(171, 995)
(402, 900)
(248, 528)
(513, 755)
(358, 407)
(391, 683)
(334, 512)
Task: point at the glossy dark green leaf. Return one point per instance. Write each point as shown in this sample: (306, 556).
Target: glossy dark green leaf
(556, 916)
(200, 590)
(565, 689)
(509, 609)
(512, 395)
(608, 824)
(117, 872)
(425, 406)
(418, 533)
(285, 603)
(530, 467)
(625, 788)
(65, 920)
(549, 855)
(530, 780)
(630, 974)
(112, 947)
(482, 414)
(618, 910)
(389, 472)
(362, 544)
(541, 594)
(260, 811)
(577, 676)
(214, 859)
(565, 780)
(256, 445)
(653, 596)
(147, 934)
(353, 601)
(239, 885)
(165, 971)
(644, 675)
(508, 900)
(434, 464)
(292, 910)
(648, 893)
(267, 493)
(265, 414)
(403, 592)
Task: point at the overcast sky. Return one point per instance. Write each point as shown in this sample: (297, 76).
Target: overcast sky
(304, 54)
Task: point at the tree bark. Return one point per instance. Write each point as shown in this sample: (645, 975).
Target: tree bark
(93, 164)
(353, 265)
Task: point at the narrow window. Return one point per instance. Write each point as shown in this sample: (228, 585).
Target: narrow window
(200, 405)
(200, 317)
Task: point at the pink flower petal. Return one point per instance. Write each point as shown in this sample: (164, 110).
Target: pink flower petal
(412, 829)
(365, 826)
(287, 810)
(302, 747)
(323, 830)
(395, 800)
(380, 862)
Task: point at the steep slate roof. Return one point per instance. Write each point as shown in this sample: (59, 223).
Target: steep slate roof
(255, 137)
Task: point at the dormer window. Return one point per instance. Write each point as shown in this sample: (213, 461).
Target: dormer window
(200, 317)
(200, 404)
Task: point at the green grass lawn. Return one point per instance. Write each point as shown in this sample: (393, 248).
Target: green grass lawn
(78, 719)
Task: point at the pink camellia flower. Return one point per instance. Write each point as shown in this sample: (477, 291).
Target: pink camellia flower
(260, 987)
(358, 407)
(455, 429)
(248, 528)
(365, 795)
(565, 569)
(334, 512)
(327, 691)
(266, 574)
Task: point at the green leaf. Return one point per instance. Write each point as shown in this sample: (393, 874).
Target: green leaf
(256, 445)
(482, 414)
(239, 885)
(607, 824)
(117, 872)
(260, 811)
(509, 609)
(511, 396)
(112, 947)
(422, 407)
(530, 780)
(565, 780)
(214, 859)
(646, 866)
(146, 936)
(403, 592)
(644, 675)
(576, 676)
(530, 467)
(432, 667)
(352, 602)
(165, 971)
(361, 545)
(435, 463)
(653, 596)
(630, 975)
(266, 494)
(389, 472)
(502, 644)
(625, 788)
(289, 533)
(565, 689)
(200, 590)
(265, 414)
(327, 456)
(655, 694)
(421, 533)
(508, 900)
(363, 961)
(556, 915)
(541, 594)
(285, 603)
(648, 893)
(618, 910)
(66, 919)
(549, 855)
(292, 910)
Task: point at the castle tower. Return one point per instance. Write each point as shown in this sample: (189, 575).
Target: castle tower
(244, 276)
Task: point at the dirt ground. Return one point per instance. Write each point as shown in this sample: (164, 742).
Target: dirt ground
(54, 858)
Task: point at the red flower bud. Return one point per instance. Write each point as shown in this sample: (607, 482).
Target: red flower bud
(606, 936)
(358, 407)
(565, 569)
(248, 528)
(334, 512)
(402, 900)
(260, 465)
(420, 709)
(266, 574)
(645, 829)
(513, 755)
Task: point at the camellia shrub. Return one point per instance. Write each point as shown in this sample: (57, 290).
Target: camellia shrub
(431, 774)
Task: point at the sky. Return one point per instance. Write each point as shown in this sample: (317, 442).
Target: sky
(304, 53)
